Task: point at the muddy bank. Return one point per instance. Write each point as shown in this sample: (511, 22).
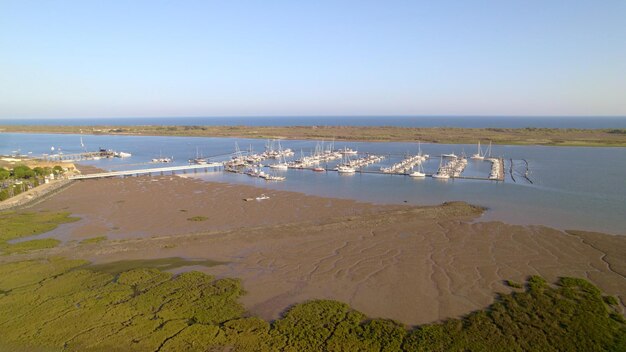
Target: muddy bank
(412, 264)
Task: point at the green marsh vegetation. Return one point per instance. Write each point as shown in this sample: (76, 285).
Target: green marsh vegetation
(198, 218)
(511, 136)
(60, 304)
(15, 225)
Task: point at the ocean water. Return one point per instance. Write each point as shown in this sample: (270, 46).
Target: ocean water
(573, 187)
(401, 121)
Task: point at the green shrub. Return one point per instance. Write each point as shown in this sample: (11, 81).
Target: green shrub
(23, 171)
(26, 246)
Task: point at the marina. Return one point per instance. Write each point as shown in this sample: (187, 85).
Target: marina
(536, 181)
(250, 163)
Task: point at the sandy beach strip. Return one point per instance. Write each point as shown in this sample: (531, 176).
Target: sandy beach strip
(412, 264)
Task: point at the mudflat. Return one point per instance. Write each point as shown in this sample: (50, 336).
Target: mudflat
(411, 264)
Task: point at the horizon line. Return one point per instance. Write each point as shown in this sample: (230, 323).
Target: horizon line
(309, 116)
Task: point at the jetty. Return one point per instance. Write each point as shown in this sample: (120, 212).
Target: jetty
(156, 170)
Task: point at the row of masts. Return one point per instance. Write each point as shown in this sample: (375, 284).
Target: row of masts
(408, 163)
(480, 155)
(250, 163)
(453, 167)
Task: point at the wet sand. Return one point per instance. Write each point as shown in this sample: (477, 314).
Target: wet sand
(156, 206)
(412, 264)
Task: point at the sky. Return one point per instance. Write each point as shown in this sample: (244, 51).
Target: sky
(64, 59)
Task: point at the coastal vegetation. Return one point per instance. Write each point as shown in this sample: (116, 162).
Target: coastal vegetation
(60, 304)
(16, 225)
(20, 178)
(511, 136)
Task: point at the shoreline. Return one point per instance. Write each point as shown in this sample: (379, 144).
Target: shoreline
(440, 135)
(415, 264)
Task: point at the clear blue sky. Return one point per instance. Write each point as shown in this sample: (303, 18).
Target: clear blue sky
(242, 58)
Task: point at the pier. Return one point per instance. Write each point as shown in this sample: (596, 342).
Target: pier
(157, 170)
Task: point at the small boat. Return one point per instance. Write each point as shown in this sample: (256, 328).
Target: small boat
(348, 151)
(319, 169)
(451, 155)
(161, 160)
(282, 163)
(123, 155)
(441, 175)
(274, 178)
(419, 172)
(479, 155)
(441, 172)
(343, 169)
(262, 197)
(198, 160)
(279, 166)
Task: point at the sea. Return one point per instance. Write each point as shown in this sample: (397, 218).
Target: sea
(580, 188)
(586, 122)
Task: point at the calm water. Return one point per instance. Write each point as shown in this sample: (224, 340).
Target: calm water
(402, 121)
(574, 188)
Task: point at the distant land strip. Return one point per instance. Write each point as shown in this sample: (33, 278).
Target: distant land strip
(445, 135)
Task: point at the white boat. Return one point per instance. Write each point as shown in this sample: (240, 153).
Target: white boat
(419, 172)
(451, 155)
(123, 155)
(344, 169)
(279, 166)
(479, 155)
(162, 160)
(262, 197)
(274, 178)
(348, 151)
(441, 175)
(282, 163)
(441, 172)
(198, 160)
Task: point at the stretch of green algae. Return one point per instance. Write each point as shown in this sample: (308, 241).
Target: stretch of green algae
(15, 225)
(60, 304)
